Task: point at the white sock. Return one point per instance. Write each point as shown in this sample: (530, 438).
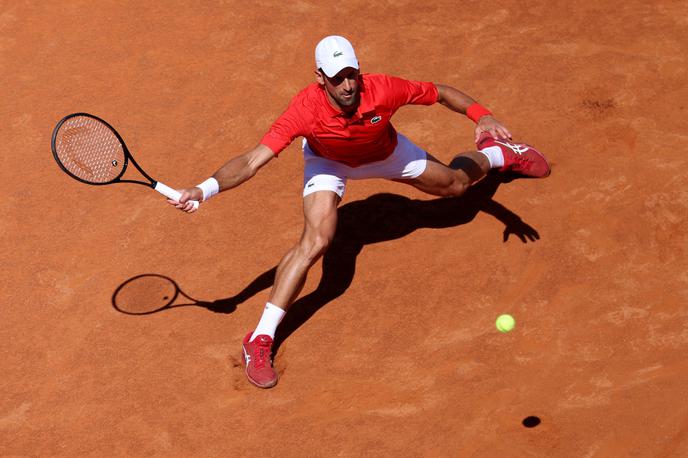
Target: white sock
(494, 156)
(272, 315)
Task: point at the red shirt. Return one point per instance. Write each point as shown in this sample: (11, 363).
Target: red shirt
(367, 136)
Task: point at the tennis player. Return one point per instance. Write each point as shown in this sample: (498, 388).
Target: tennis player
(345, 121)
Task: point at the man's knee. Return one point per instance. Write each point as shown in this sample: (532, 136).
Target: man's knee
(313, 246)
(454, 189)
(320, 209)
(440, 180)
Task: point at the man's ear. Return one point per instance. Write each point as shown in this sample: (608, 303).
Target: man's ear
(319, 77)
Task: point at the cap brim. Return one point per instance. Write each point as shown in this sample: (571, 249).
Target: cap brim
(332, 69)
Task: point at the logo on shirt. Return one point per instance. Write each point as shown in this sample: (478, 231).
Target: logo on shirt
(376, 119)
(337, 54)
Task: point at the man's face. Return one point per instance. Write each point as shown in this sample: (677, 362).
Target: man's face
(342, 87)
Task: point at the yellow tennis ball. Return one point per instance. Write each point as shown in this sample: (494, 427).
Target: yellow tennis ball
(505, 323)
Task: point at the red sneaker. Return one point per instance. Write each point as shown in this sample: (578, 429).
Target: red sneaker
(258, 361)
(518, 157)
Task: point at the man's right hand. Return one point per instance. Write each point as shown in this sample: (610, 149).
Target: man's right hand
(187, 195)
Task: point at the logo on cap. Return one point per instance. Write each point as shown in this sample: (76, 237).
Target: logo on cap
(337, 54)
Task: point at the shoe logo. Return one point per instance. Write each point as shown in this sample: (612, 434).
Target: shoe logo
(337, 54)
(518, 149)
(247, 357)
(376, 119)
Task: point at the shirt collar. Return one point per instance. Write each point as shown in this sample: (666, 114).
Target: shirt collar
(332, 111)
(366, 102)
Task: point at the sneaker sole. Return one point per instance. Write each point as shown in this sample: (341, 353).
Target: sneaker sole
(549, 166)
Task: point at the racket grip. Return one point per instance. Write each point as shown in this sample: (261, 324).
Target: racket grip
(171, 193)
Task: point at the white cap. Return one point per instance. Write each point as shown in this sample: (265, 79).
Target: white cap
(334, 53)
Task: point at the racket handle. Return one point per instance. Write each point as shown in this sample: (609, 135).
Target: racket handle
(171, 193)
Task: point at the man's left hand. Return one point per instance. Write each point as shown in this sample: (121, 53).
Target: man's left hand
(489, 124)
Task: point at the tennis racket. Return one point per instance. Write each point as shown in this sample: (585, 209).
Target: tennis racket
(90, 150)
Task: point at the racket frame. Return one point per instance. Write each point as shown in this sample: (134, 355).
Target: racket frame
(128, 157)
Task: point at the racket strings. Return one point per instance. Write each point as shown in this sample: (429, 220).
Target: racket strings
(89, 149)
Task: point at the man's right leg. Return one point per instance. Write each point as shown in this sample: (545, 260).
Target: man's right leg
(320, 213)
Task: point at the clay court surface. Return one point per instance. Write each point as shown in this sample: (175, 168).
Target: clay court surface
(392, 349)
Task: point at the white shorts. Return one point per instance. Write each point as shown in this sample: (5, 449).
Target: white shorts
(321, 174)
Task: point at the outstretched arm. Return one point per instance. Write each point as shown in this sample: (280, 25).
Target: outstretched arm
(233, 173)
(457, 101)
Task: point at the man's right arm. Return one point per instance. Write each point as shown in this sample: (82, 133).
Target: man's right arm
(233, 173)
(284, 130)
(243, 167)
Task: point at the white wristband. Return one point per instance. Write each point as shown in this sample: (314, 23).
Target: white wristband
(210, 187)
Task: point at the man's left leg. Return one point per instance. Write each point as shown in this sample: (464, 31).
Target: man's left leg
(445, 181)
(468, 168)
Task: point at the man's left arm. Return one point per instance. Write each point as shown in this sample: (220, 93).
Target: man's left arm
(462, 103)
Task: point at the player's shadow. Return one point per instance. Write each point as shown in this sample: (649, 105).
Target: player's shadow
(384, 217)
(379, 218)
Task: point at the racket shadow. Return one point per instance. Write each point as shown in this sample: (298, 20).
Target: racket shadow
(150, 293)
